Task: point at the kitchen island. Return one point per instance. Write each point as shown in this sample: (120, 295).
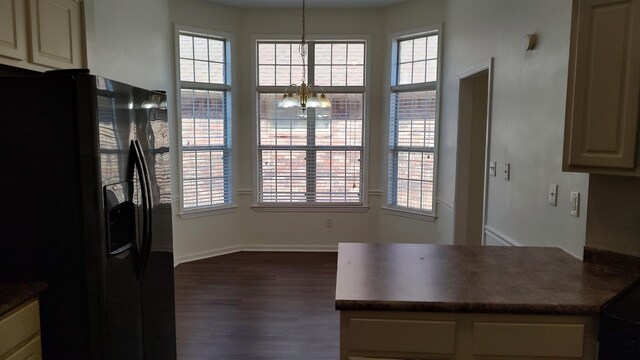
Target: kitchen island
(417, 301)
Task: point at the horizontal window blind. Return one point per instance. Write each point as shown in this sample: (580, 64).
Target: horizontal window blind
(413, 125)
(313, 157)
(205, 121)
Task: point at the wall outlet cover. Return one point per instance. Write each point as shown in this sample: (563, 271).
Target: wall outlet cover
(552, 198)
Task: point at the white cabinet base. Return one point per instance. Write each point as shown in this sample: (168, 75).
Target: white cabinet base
(374, 335)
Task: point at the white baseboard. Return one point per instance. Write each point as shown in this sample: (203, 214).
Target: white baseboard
(206, 254)
(494, 237)
(291, 248)
(237, 248)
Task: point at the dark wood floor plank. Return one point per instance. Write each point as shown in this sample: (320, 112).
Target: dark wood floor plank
(258, 306)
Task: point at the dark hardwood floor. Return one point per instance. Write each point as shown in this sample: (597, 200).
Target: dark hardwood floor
(258, 305)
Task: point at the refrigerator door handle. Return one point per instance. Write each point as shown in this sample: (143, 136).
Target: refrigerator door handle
(147, 236)
(146, 220)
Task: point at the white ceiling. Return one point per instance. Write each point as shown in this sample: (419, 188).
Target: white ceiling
(309, 3)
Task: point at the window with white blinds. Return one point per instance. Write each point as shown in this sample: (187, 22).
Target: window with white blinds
(205, 120)
(413, 123)
(313, 157)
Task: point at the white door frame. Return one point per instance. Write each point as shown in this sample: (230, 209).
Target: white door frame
(483, 66)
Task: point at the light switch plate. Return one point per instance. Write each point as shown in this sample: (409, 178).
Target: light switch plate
(507, 171)
(553, 195)
(574, 203)
(492, 168)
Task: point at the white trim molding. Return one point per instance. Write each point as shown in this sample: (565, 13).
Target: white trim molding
(252, 247)
(494, 237)
(206, 254)
(409, 213)
(290, 248)
(310, 208)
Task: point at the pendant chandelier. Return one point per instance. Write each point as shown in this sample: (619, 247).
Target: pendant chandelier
(304, 96)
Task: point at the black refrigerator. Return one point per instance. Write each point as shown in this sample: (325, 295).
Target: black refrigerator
(86, 208)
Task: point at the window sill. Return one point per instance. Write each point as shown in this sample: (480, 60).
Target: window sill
(298, 208)
(409, 214)
(210, 211)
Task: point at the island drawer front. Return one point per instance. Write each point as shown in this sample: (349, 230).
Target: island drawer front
(388, 335)
(523, 339)
(31, 351)
(19, 326)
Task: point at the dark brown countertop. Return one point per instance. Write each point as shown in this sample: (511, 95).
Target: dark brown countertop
(13, 295)
(449, 278)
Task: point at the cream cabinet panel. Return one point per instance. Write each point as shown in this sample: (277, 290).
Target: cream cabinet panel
(431, 337)
(540, 340)
(56, 33)
(601, 131)
(19, 326)
(13, 36)
(31, 351)
(390, 335)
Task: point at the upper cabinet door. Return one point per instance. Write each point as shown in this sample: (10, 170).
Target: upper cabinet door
(56, 33)
(601, 132)
(13, 39)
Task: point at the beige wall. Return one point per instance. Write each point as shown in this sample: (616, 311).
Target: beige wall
(252, 229)
(527, 120)
(133, 42)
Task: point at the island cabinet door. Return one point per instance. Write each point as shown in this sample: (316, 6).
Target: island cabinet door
(373, 335)
(601, 129)
(370, 338)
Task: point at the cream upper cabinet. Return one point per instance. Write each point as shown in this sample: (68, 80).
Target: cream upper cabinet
(602, 117)
(56, 33)
(42, 34)
(13, 40)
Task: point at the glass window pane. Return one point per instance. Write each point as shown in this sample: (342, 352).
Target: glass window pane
(187, 70)
(186, 46)
(323, 75)
(216, 50)
(406, 73)
(432, 70)
(283, 75)
(432, 47)
(216, 73)
(356, 54)
(283, 54)
(405, 48)
(201, 48)
(419, 69)
(204, 124)
(355, 75)
(338, 75)
(202, 71)
(339, 54)
(295, 167)
(419, 48)
(323, 54)
(267, 54)
(267, 75)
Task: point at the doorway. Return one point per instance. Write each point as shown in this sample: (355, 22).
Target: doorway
(474, 114)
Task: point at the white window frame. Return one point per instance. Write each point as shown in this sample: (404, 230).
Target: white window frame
(231, 130)
(391, 86)
(312, 207)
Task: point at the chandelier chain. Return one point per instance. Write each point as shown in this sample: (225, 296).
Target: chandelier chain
(303, 46)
